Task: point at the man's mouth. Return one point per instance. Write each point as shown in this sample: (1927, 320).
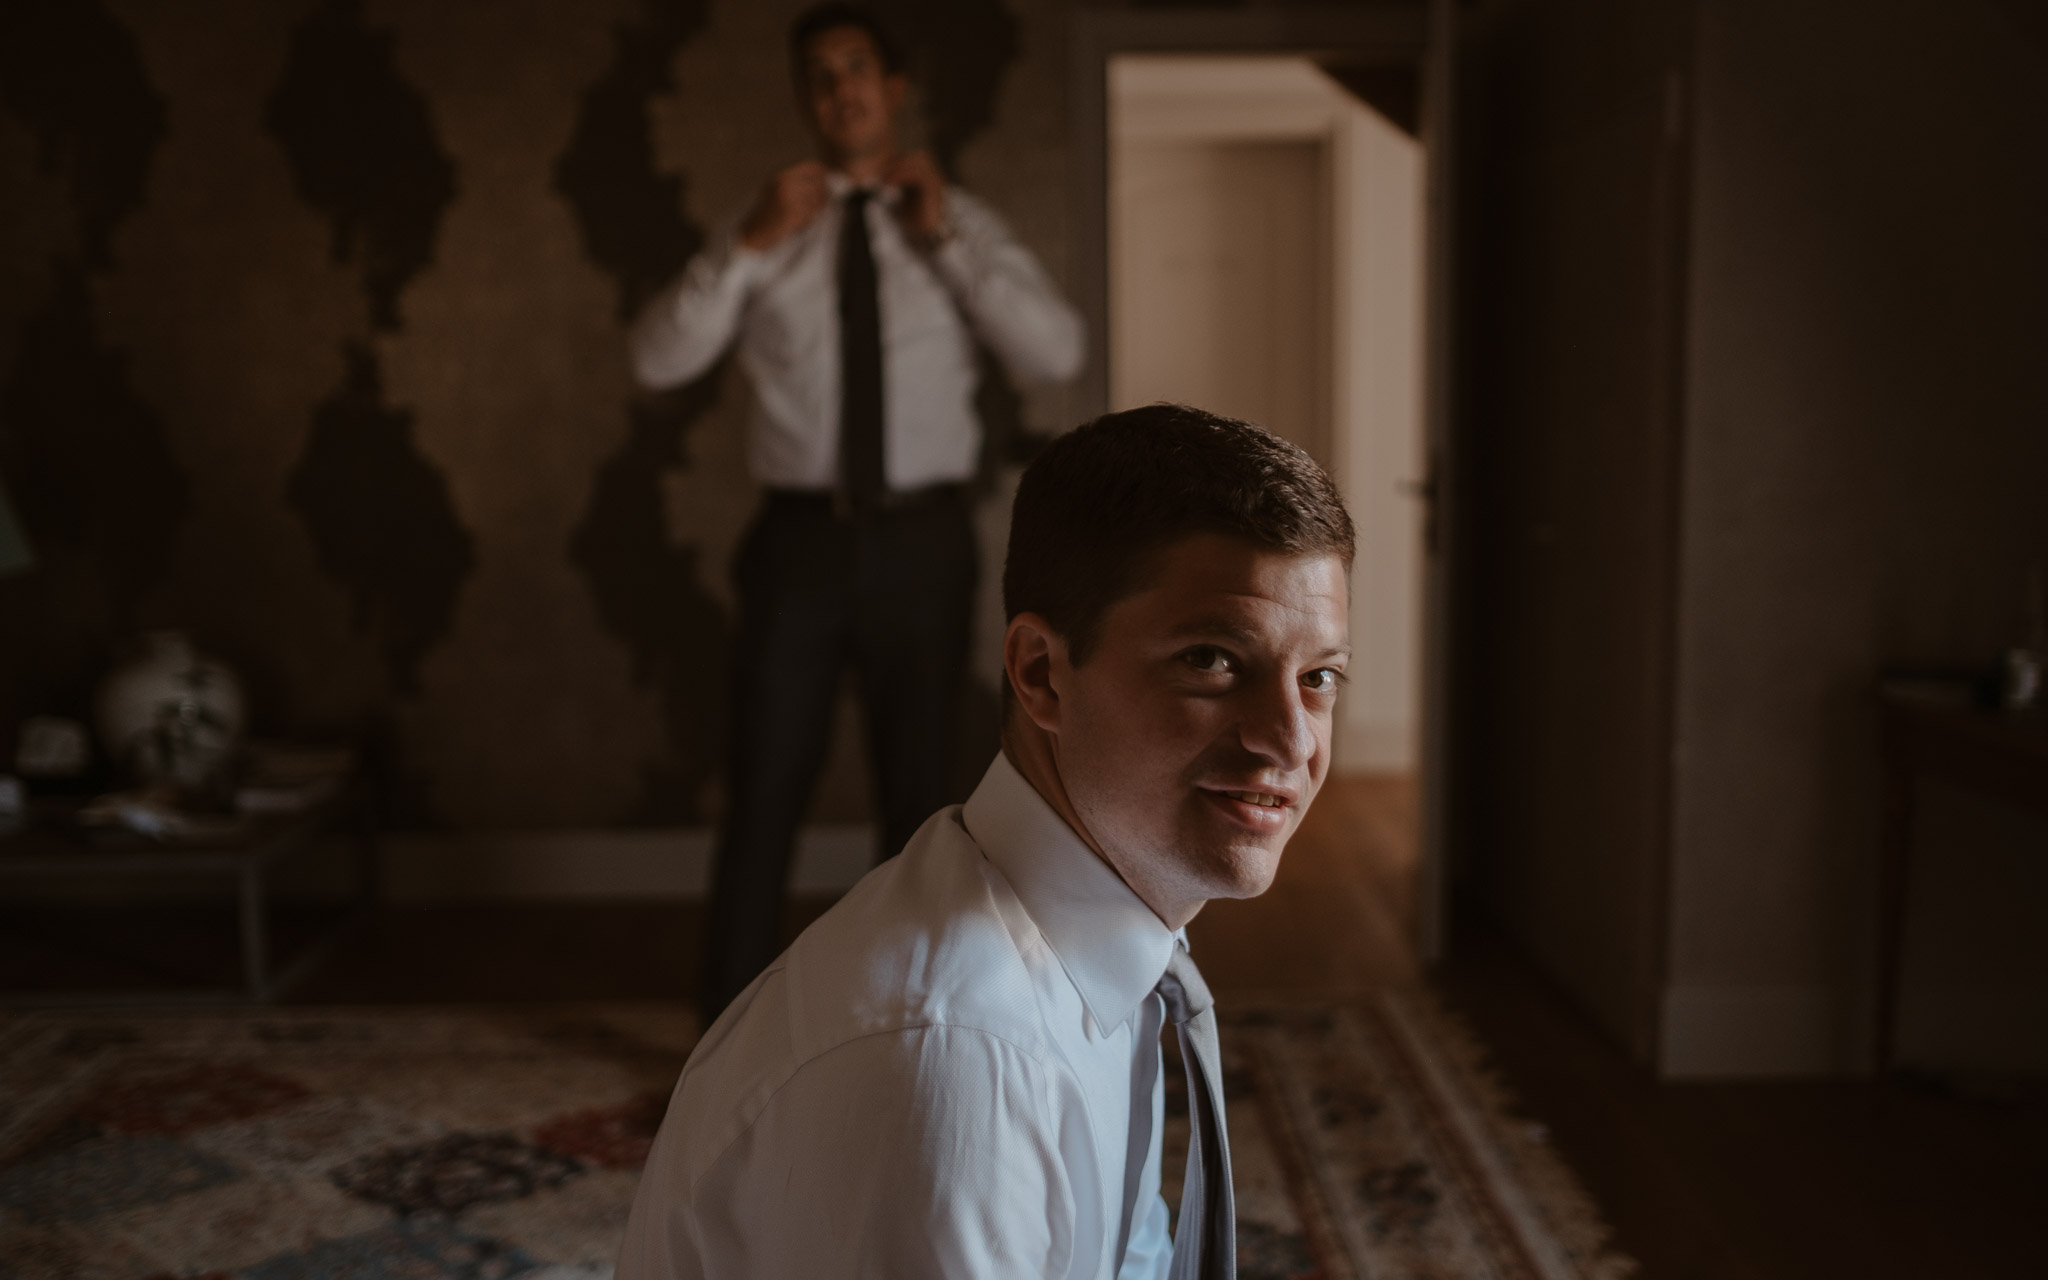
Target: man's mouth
(1264, 799)
(1254, 808)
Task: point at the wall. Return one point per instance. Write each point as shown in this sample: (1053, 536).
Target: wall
(1867, 436)
(1754, 301)
(310, 342)
(1569, 168)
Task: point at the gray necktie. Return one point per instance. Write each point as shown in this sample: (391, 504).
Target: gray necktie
(1205, 1239)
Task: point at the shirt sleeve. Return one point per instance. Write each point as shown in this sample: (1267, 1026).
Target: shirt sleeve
(683, 329)
(930, 1152)
(1007, 297)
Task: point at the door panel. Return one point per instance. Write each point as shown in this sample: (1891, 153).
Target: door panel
(1220, 293)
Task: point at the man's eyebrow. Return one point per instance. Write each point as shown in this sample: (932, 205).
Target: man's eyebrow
(1214, 628)
(1219, 628)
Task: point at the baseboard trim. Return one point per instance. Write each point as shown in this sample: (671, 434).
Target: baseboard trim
(613, 864)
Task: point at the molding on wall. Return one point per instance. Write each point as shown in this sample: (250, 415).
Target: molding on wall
(668, 862)
(1731, 1031)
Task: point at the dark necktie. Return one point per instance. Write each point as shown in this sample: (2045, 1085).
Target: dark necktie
(860, 359)
(1205, 1238)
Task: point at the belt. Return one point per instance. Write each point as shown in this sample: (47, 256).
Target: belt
(845, 509)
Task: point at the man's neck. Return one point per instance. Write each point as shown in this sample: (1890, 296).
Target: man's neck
(1035, 755)
(865, 170)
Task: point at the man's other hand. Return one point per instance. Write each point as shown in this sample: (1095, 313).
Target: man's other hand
(923, 207)
(787, 204)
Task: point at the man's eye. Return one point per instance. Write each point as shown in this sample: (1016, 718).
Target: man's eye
(1324, 679)
(1208, 658)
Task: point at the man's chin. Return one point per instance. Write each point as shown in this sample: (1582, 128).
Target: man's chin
(1242, 869)
(854, 137)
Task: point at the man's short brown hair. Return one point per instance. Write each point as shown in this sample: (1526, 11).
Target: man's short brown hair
(831, 16)
(1100, 500)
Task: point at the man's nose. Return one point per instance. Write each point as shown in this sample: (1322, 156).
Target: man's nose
(1277, 725)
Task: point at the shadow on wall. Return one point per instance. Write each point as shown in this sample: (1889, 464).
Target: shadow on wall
(100, 494)
(648, 590)
(363, 152)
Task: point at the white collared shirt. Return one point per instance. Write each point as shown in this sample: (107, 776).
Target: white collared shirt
(954, 1072)
(782, 303)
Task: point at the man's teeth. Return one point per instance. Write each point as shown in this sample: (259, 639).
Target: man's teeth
(1255, 797)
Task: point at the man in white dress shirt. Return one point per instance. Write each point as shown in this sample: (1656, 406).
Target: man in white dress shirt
(956, 1071)
(856, 287)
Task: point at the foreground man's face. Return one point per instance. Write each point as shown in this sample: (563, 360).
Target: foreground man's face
(1198, 730)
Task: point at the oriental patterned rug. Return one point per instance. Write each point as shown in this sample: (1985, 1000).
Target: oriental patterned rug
(386, 1144)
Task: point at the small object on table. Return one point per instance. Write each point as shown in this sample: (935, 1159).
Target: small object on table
(2021, 689)
(13, 803)
(277, 778)
(172, 714)
(154, 812)
(52, 747)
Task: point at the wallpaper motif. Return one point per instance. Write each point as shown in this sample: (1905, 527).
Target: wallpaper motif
(630, 213)
(86, 461)
(85, 458)
(958, 51)
(401, 557)
(74, 76)
(647, 588)
(363, 151)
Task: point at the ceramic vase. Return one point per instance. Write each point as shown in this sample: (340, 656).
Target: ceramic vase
(171, 715)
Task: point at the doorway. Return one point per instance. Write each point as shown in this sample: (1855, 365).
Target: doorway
(1265, 256)
(1255, 222)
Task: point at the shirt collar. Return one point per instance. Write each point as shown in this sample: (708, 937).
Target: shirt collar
(1112, 946)
(838, 185)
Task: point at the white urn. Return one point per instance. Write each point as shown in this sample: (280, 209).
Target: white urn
(172, 715)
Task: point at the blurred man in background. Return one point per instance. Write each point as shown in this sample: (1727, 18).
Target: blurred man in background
(856, 288)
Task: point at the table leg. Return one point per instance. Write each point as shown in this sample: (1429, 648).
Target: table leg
(1893, 877)
(370, 869)
(255, 945)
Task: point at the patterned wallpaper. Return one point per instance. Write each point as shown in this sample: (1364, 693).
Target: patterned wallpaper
(310, 343)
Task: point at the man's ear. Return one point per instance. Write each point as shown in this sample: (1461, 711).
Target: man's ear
(1032, 652)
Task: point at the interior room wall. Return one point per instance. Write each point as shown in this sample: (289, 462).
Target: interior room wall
(311, 344)
(1867, 436)
(1567, 238)
(1754, 300)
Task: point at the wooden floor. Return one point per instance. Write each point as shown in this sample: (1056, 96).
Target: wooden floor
(1338, 920)
(1758, 1181)
(1774, 1181)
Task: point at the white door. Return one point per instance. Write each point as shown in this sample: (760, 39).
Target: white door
(1220, 290)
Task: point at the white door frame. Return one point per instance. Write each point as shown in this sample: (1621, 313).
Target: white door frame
(1419, 32)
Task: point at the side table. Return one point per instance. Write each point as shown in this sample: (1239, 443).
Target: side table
(2002, 755)
(247, 858)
